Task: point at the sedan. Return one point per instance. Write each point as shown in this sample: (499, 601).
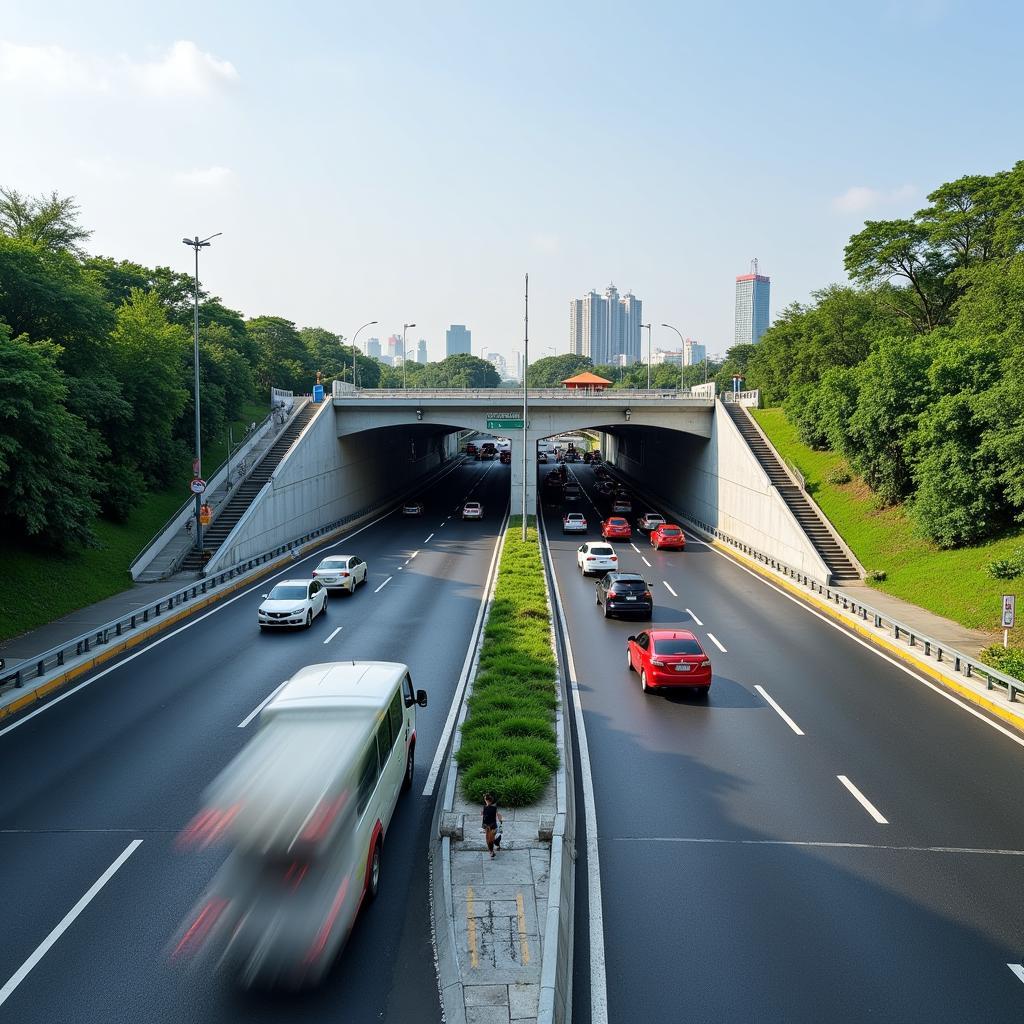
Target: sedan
(412, 508)
(574, 522)
(669, 658)
(472, 510)
(344, 572)
(621, 504)
(292, 603)
(616, 528)
(596, 558)
(670, 536)
(625, 593)
(650, 521)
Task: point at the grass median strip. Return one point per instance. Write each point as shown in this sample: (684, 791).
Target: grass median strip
(508, 738)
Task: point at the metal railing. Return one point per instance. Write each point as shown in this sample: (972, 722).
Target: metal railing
(743, 397)
(513, 397)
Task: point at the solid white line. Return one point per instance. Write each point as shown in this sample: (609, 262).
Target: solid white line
(714, 639)
(595, 909)
(262, 704)
(644, 560)
(460, 689)
(384, 584)
(862, 800)
(1017, 969)
(413, 555)
(20, 974)
(334, 634)
(694, 617)
(669, 589)
(427, 541)
(782, 714)
(972, 850)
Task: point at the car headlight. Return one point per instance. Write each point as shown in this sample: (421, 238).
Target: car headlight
(296, 611)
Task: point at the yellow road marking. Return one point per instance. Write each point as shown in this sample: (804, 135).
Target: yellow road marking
(524, 946)
(474, 960)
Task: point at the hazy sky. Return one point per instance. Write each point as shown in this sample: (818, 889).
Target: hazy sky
(408, 162)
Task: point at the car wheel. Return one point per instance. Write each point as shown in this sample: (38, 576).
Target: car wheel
(597, 597)
(410, 768)
(606, 611)
(643, 683)
(323, 608)
(702, 692)
(629, 661)
(373, 886)
(309, 618)
(263, 628)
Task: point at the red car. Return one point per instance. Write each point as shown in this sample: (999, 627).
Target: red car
(616, 528)
(668, 535)
(669, 658)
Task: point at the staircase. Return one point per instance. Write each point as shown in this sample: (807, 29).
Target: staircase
(227, 517)
(809, 518)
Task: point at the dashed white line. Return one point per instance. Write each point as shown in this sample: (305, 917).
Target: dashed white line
(427, 541)
(634, 547)
(384, 584)
(259, 707)
(694, 617)
(22, 972)
(644, 560)
(782, 714)
(665, 584)
(718, 643)
(1017, 969)
(413, 555)
(862, 800)
(334, 634)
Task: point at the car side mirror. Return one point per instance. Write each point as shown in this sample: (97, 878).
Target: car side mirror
(421, 698)
(628, 638)
(649, 584)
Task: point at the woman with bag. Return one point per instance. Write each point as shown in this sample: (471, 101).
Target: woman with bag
(490, 816)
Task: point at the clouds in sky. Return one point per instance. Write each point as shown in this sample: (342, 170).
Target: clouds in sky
(182, 71)
(863, 198)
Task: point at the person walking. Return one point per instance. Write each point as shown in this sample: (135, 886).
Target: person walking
(490, 816)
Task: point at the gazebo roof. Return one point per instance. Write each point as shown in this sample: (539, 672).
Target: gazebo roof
(586, 378)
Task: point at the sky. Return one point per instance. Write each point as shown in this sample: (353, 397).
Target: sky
(406, 162)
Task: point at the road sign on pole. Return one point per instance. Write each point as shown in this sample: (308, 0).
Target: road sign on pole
(197, 486)
(1009, 616)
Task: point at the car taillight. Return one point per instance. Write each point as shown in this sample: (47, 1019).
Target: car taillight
(342, 573)
(614, 558)
(321, 819)
(200, 927)
(659, 664)
(705, 664)
(591, 558)
(613, 593)
(647, 594)
(208, 826)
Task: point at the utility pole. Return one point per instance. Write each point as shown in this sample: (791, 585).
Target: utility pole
(526, 399)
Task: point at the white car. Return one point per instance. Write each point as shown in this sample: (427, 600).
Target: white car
(574, 522)
(345, 572)
(292, 603)
(472, 510)
(651, 521)
(598, 557)
(412, 508)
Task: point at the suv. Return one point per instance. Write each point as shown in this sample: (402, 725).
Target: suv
(571, 492)
(625, 593)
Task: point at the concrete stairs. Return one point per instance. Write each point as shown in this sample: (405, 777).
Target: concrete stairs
(227, 517)
(811, 521)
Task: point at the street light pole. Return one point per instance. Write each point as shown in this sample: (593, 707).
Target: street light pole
(682, 346)
(198, 243)
(355, 350)
(405, 356)
(648, 326)
(526, 399)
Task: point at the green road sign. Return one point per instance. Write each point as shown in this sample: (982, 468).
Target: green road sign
(504, 424)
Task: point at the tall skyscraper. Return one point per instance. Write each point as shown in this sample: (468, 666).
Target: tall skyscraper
(421, 350)
(605, 327)
(395, 348)
(752, 318)
(457, 340)
(373, 348)
(694, 352)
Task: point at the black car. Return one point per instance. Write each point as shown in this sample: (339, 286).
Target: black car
(625, 593)
(571, 492)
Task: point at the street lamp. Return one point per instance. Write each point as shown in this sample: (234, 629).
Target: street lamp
(682, 346)
(405, 357)
(198, 243)
(355, 350)
(648, 326)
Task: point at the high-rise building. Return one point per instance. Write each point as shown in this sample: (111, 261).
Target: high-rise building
(694, 352)
(373, 348)
(519, 365)
(497, 360)
(421, 350)
(395, 347)
(457, 340)
(752, 291)
(605, 327)
(670, 358)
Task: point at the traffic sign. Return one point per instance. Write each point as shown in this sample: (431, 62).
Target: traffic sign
(504, 424)
(197, 486)
(1009, 610)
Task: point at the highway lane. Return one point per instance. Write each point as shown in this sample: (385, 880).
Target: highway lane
(741, 879)
(127, 757)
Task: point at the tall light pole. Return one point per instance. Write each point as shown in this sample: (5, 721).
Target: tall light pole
(682, 347)
(526, 400)
(198, 243)
(405, 357)
(648, 326)
(355, 350)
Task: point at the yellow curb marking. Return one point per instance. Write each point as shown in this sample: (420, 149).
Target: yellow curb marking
(474, 960)
(524, 946)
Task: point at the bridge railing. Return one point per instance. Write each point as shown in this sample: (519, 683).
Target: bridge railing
(751, 398)
(513, 397)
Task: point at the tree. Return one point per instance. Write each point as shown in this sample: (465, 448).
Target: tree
(49, 222)
(550, 371)
(459, 371)
(284, 361)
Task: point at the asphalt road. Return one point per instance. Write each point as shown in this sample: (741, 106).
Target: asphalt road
(741, 879)
(127, 757)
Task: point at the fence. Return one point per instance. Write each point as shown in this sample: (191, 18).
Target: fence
(512, 398)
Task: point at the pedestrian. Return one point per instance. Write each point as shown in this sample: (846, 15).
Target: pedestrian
(490, 816)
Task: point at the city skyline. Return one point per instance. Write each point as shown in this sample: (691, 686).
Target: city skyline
(605, 327)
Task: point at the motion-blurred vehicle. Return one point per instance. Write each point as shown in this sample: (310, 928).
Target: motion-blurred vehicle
(488, 451)
(625, 593)
(650, 521)
(292, 603)
(574, 522)
(606, 487)
(470, 448)
(669, 658)
(571, 491)
(668, 536)
(505, 456)
(344, 572)
(542, 458)
(616, 528)
(305, 808)
(472, 510)
(621, 503)
(592, 558)
(412, 508)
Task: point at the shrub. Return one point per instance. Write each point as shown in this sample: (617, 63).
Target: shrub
(1007, 568)
(839, 475)
(876, 575)
(1007, 659)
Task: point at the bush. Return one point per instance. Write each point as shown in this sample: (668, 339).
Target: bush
(1007, 568)
(839, 475)
(876, 575)
(1007, 659)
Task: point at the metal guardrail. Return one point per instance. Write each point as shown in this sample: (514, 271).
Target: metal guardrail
(743, 397)
(513, 397)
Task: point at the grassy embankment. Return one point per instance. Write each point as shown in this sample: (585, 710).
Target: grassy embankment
(38, 587)
(508, 738)
(954, 583)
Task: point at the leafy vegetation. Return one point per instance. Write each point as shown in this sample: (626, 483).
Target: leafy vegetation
(508, 738)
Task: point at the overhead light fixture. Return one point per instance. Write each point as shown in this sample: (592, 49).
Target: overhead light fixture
(628, 412)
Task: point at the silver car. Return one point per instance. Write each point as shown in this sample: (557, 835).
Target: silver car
(472, 510)
(342, 572)
(651, 521)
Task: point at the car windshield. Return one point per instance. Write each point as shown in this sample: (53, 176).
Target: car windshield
(651, 517)
(618, 522)
(472, 505)
(677, 647)
(621, 584)
(670, 531)
(601, 551)
(287, 593)
(334, 563)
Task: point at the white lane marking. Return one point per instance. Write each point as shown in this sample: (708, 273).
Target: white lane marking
(453, 711)
(20, 974)
(1017, 969)
(697, 840)
(1019, 740)
(634, 547)
(384, 584)
(413, 555)
(644, 560)
(427, 541)
(668, 588)
(714, 639)
(334, 634)
(694, 617)
(782, 714)
(862, 800)
(595, 909)
(262, 704)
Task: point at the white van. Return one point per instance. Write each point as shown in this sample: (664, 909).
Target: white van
(306, 806)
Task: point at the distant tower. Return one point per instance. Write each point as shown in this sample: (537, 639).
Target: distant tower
(421, 350)
(373, 348)
(752, 301)
(457, 340)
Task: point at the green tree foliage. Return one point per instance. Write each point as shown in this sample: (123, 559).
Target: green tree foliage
(550, 371)
(48, 222)
(283, 361)
(458, 371)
